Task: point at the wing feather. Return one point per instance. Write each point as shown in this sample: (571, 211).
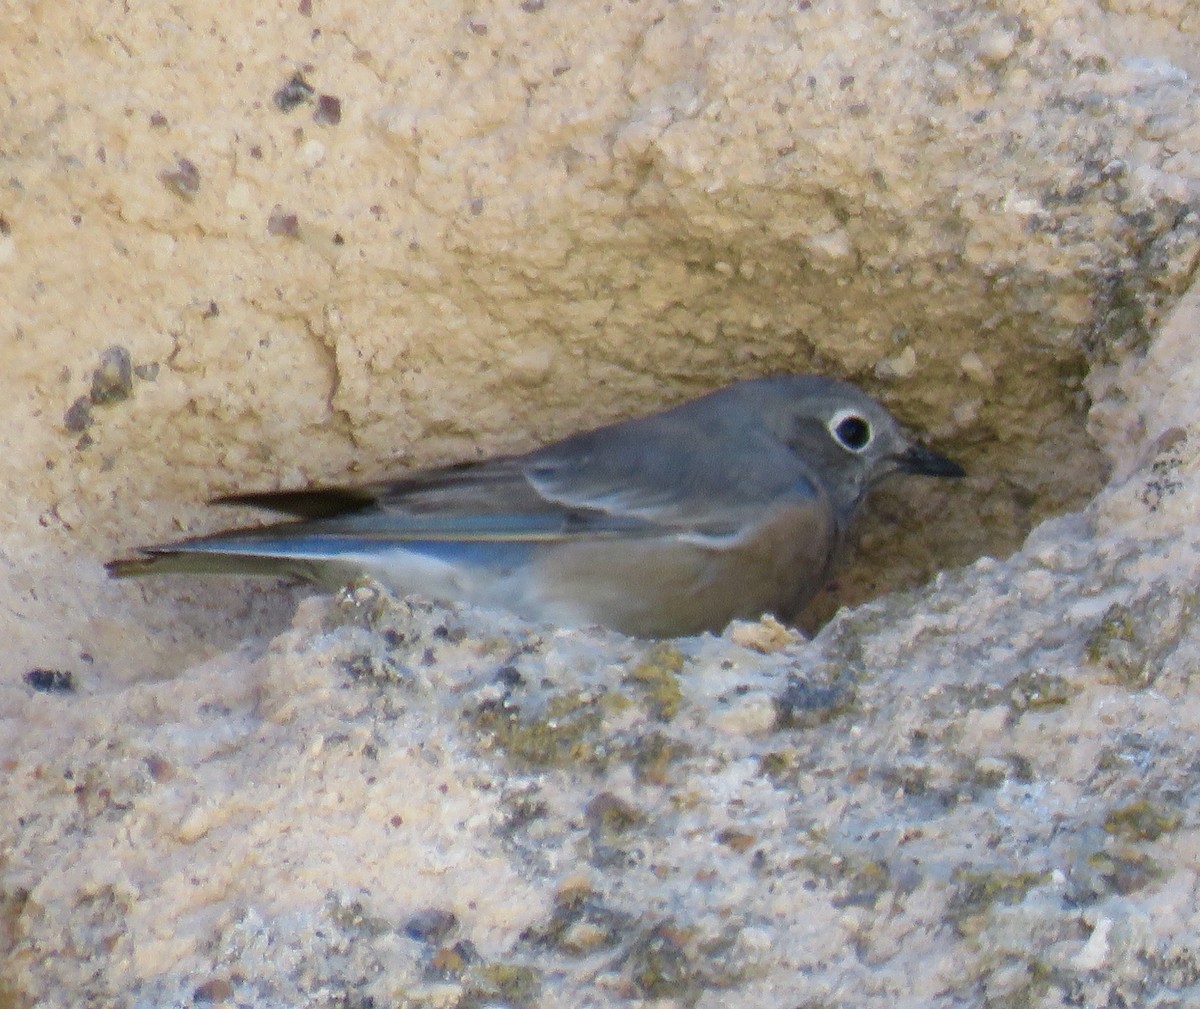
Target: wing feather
(655, 476)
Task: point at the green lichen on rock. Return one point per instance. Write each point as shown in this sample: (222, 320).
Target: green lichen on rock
(1024, 984)
(658, 677)
(1124, 870)
(510, 984)
(857, 880)
(566, 733)
(1113, 644)
(1133, 641)
(1038, 689)
(667, 960)
(782, 766)
(913, 779)
(352, 917)
(654, 754)
(988, 773)
(464, 980)
(864, 882)
(659, 967)
(453, 975)
(408, 636)
(979, 890)
(610, 816)
(952, 700)
(581, 923)
(1142, 820)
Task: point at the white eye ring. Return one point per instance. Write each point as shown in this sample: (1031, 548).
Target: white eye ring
(851, 430)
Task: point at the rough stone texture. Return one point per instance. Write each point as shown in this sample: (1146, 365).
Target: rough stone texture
(488, 225)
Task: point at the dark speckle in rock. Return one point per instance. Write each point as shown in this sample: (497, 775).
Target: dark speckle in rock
(804, 704)
(217, 989)
(510, 676)
(431, 925)
(159, 768)
(51, 681)
(295, 92)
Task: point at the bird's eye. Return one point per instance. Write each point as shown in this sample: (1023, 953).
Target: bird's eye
(851, 431)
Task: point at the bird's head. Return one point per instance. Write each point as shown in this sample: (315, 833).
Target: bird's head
(848, 440)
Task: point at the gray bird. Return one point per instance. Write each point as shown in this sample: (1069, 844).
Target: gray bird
(730, 505)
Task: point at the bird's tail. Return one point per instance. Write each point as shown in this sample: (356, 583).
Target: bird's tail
(272, 551)
(167, 561)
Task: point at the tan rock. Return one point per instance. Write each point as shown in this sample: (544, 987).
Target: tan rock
(529, 217)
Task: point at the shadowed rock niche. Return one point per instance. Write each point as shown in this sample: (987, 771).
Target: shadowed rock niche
(912, 528)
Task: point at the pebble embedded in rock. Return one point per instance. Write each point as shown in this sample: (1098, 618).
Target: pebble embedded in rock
(78, 416)
(283, 223)
(328, 111)
(183, 180)
(112, 381)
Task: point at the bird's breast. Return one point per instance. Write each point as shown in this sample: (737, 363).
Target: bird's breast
(677, 585)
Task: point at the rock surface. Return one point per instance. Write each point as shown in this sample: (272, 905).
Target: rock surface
(257, 248)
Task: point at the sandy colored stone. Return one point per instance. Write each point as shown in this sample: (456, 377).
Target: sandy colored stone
(523, 219)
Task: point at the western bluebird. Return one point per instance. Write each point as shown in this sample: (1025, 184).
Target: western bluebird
(730, 505)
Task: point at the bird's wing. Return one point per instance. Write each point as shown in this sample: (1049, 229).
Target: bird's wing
(631, 480)
(666, 472)
(488, 501)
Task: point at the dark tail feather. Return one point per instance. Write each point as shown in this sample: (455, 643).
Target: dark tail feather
(306, 504)
(131, 567)
(168, 562)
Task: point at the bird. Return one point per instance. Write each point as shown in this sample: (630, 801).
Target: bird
(729, 506)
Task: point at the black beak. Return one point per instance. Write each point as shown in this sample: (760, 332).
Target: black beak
(926, 462)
